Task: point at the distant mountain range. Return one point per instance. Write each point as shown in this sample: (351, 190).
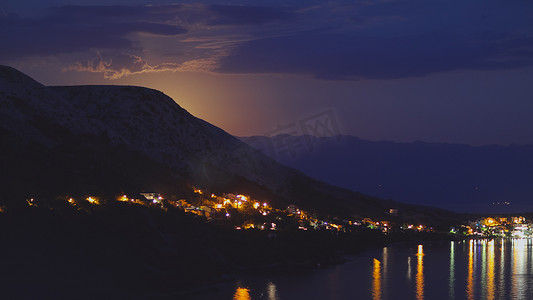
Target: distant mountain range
(451, 176)
(109, 140)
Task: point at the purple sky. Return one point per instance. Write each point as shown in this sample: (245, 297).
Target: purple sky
(441, 70)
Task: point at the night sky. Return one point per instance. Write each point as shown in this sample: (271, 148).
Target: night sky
(441, 70)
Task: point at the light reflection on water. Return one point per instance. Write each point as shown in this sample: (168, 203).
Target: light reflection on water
(420, 273)
(376, 288)
(519, 285)
(385, 255)
(490, 271)
(470, 278)
(501, 280)
(409, 269)
(451, 279)
(242, 294)
(473, 269)
(272, 291)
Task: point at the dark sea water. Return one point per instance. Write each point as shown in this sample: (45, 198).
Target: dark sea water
(475, 269)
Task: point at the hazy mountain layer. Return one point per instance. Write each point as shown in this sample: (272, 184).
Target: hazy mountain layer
(454, 177)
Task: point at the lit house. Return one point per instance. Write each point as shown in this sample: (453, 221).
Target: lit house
(152, 197)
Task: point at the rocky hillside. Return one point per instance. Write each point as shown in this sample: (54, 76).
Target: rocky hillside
(114, 139)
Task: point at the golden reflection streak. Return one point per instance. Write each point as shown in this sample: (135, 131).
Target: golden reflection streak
(420, 274)
(490, 272)
(483, 274)
(376, 287)
(242, 294)
(384, 268)
(501, 289)
(470, 278)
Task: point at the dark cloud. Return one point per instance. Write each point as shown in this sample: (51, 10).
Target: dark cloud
(52, 36)
(345, 56)
(247, 15)
(393, 39)
(144, 27)
(67, 29)
(211, 15)
(171, 13)
(75, 29)
(101, 12)
(331, 40)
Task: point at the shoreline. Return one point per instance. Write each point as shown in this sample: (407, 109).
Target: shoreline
(301, 268)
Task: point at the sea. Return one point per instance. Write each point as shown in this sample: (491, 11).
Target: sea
(470, 269)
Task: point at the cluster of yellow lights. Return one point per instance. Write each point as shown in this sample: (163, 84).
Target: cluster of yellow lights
(90, 199)
(238, 203)
(93, 200)
(491, 222)
(518, 220)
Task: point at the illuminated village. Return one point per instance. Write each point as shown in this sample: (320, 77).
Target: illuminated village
(244, 213)
(515, 227)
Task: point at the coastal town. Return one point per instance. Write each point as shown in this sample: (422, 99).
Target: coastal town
(242, 212)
